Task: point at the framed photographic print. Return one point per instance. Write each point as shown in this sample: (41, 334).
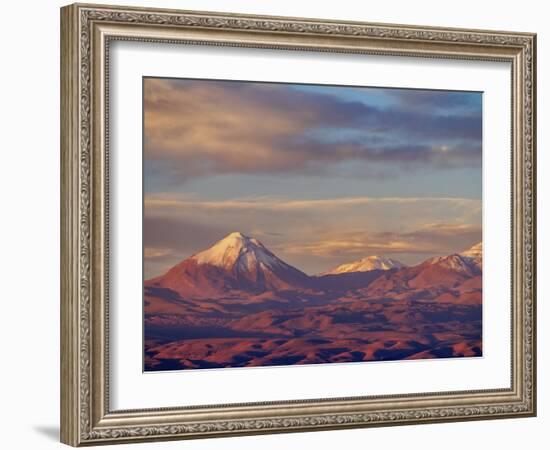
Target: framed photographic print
(275, 224)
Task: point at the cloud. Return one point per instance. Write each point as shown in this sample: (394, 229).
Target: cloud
(155, 252)
(175, 201)
(314, 234)
(174, 233)
(431, 239)
(170, 238)
(194, 128)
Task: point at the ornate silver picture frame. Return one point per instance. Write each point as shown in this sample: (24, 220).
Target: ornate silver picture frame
(87, 33)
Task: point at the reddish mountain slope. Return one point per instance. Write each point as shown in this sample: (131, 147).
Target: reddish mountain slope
(236, 304)
(447, 271)
(237, 262)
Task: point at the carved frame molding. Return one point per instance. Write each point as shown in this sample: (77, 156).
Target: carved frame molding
(86, 32)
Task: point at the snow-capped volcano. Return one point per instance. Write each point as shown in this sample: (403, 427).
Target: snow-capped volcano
(237, 251)
(474, 254)
(237, 262)
(475, 251)
(367, 264)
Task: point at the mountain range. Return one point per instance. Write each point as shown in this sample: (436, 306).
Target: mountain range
(237, 304)
(367, 264)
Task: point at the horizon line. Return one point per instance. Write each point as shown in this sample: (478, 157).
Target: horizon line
(324, 273)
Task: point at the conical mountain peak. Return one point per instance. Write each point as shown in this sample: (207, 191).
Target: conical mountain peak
(236, 262)
(236, 248)
(235, 236)
(373, 262)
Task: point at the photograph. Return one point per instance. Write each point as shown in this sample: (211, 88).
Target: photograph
(291, 222)
(288, 224)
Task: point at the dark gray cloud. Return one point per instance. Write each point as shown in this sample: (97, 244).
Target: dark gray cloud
(193, 128)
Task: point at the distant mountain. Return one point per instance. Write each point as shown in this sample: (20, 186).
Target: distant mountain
(241, 263)
(237, 262)
(475, 253)
(456, 263)
(367, 264)
(435, 273)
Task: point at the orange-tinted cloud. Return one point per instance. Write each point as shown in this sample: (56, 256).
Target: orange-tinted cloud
(315, 234)
(431, 239)
(193, 128)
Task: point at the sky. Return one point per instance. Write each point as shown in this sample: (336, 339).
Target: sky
(321, 175)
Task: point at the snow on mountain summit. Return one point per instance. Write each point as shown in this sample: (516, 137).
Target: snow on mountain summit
(475, 251)
(237, 249)
(235, 262)
(374, 262)
(455, 262)
(474, 254)
(465, 261)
